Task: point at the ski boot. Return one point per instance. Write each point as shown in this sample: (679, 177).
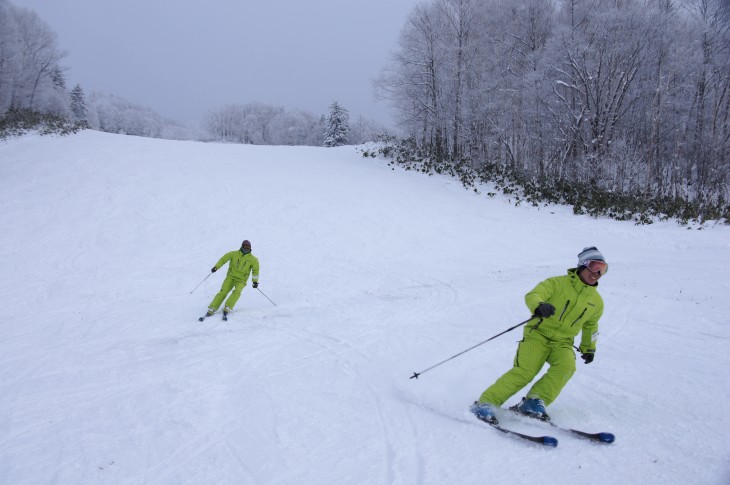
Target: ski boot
(207, 314)
(532, 407)
(484, 412)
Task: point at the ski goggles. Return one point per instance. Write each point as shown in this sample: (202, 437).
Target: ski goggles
(600, 267)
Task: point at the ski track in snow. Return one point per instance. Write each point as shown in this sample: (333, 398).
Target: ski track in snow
(108, 377)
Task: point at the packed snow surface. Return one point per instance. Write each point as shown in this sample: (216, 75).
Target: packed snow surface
(107, 377)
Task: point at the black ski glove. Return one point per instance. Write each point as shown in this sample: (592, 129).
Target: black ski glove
(213, 269)
(544, 310)
(255, 284)
(588, 357)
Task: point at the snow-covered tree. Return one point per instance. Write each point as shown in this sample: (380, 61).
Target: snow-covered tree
(337, 129)
(9, 54)
(364, 130)
(38, 56)
(79, 112)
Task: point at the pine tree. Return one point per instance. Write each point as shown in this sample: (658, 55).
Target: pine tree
(58, 79)
(78, 107)
(337, 128)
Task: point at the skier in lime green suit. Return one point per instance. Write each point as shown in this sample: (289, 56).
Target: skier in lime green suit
(241, 264)
(562, 306)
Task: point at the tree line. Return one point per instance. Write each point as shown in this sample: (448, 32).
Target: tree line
(265, 124)
(616, 106)
(34, 95)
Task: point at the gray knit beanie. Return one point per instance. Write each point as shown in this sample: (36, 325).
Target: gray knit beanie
(590, 254)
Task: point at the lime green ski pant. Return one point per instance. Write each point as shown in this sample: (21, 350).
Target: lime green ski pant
(229, 284)
(532, 354)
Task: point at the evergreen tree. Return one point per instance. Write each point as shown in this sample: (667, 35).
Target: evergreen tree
(58, 79)
(337, 128)
(78, 107)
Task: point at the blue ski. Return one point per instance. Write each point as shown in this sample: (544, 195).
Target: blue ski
(602, 437)
(543, 440)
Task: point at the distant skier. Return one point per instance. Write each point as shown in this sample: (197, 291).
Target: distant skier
(241, 264)
(563, 306)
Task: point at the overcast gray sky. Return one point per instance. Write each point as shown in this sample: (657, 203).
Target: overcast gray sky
(183, 58)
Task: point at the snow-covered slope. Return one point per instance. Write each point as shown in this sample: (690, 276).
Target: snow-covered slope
(107, 377)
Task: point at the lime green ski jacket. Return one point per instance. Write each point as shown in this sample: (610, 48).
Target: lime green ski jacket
(240, 265)
(578, 307)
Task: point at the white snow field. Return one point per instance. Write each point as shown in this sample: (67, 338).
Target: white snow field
(107, 377)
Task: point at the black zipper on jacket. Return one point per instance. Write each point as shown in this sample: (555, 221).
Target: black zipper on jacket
(560, 318)
(238, 264)
(579, 317)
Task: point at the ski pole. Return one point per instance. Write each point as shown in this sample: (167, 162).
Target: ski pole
(416, 374)
(191, 291)
(266, 297)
